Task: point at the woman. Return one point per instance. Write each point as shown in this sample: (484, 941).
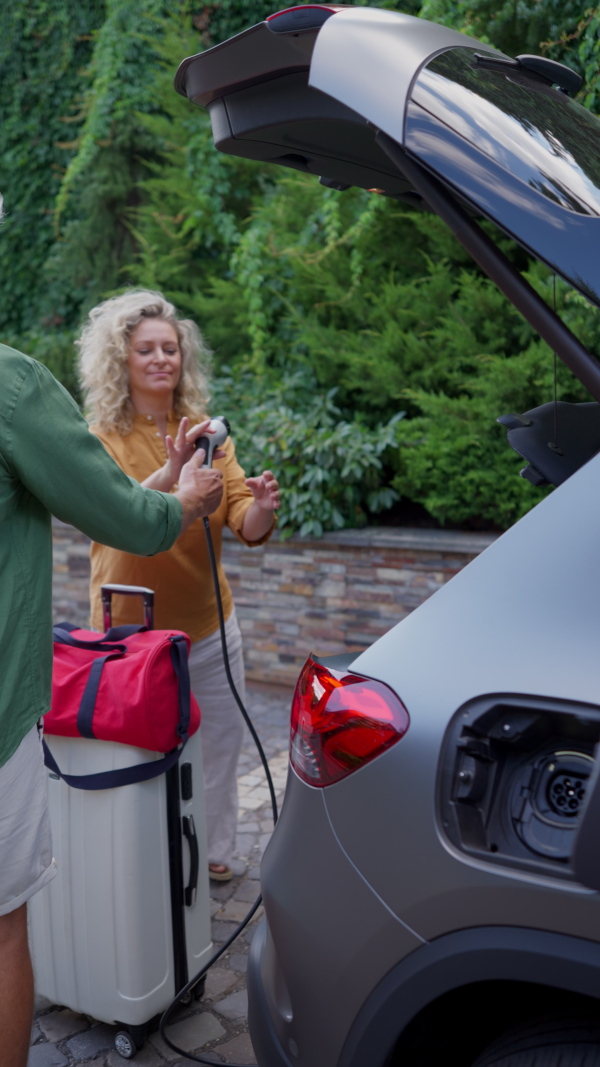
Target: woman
(146, 397)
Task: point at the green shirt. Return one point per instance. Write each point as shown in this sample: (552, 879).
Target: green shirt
(51, 464)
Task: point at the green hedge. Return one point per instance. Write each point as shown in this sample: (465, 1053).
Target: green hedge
(329, 314)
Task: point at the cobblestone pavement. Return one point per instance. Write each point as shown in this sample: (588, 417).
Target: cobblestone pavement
(216, 1025)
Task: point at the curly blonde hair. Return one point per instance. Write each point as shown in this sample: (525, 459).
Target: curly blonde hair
(103, 355)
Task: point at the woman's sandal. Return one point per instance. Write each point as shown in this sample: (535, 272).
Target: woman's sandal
(218, 872)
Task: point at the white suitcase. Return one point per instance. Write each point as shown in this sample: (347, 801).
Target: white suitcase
(126, 922)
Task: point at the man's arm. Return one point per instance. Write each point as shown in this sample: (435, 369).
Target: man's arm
(69, 471)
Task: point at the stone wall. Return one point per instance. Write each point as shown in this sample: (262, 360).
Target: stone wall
(336, 594)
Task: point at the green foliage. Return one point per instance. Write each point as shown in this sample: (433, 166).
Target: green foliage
(328, 313)
(331, 470)
(55, 349)
(43, 47)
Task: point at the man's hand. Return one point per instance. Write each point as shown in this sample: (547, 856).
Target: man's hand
(200, 488)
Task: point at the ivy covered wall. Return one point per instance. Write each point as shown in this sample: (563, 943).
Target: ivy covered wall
(354, 342)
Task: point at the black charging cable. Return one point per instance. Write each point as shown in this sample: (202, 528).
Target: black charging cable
(198, 977)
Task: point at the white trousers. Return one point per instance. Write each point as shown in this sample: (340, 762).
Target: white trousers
(222, 732)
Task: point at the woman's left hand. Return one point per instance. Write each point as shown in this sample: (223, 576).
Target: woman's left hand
(265, 490)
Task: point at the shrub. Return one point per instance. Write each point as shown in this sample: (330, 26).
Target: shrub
(331, 470)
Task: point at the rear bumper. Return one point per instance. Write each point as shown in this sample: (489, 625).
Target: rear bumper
(265, 1042)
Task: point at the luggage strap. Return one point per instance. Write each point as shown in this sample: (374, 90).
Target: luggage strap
(139, 772)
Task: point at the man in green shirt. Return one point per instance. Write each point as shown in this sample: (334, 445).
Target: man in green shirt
(51, 465)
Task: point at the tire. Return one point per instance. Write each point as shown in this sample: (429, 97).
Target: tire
(125, 1045)
(550, 1042)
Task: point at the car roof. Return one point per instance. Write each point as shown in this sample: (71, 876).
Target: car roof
(311, 88)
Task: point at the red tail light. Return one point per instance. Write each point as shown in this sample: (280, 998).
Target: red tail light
(340, 722)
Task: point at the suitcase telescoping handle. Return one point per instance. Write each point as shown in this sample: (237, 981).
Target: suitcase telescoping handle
(147, 596)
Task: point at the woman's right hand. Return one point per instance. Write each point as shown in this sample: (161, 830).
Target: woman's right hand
(181, 450)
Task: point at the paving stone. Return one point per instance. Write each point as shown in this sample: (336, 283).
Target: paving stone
(222, 930)
(248, 827)
(189, 1034)
(221, 890)
(247, 891)
(36, 1033)
(46, 1055)
(58, 1025)
(254, 873)
(238, 1050)
(235, 1006)
(238, 962)
(218, 980)
(89, 1044)
(146, 1057)
(234, 910)
(244, 843)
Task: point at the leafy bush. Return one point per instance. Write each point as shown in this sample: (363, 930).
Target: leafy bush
(328, 312)
(331, 470)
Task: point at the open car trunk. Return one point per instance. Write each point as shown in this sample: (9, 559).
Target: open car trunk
(416, 111)
(408, 109)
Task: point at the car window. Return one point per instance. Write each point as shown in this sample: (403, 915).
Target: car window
(524, 124)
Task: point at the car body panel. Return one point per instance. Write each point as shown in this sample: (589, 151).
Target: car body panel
(367, 58)
(308, 881)
(516, 620)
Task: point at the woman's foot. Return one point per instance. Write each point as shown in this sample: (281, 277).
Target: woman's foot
(219, 872)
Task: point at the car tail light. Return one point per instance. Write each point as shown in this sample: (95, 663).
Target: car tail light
(340, 722)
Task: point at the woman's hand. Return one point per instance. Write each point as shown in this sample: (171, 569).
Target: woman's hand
(258, 519)
(265, 490)
(179, 452)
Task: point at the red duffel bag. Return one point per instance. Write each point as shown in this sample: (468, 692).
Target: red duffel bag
(129, 685)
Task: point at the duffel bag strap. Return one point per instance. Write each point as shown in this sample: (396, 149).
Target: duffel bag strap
(116, 633)
(140, 772)
(63, 636)
(179, 659)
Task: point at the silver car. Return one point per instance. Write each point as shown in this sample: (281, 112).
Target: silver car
(431, 889)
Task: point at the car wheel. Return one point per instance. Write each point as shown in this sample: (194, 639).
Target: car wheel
(546, 1043)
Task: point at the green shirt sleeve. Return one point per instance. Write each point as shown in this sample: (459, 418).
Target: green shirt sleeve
(70, 472)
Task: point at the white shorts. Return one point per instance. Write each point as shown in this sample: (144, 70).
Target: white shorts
(26, 862)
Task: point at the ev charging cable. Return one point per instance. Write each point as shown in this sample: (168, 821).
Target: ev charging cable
(220, 427)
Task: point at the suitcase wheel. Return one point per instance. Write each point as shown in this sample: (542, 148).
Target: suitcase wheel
(128, 1042)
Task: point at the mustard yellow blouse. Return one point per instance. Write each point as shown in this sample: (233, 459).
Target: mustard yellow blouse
(181, 577)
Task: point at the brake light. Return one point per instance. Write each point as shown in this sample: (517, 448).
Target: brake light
(300, 7)
(340, 722)
(301, 17)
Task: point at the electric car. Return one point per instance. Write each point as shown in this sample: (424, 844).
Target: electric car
(431, 889)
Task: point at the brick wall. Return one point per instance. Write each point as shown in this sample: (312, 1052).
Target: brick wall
(336, 594)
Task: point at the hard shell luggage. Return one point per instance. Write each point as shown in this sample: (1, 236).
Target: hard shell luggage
(126, 921)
